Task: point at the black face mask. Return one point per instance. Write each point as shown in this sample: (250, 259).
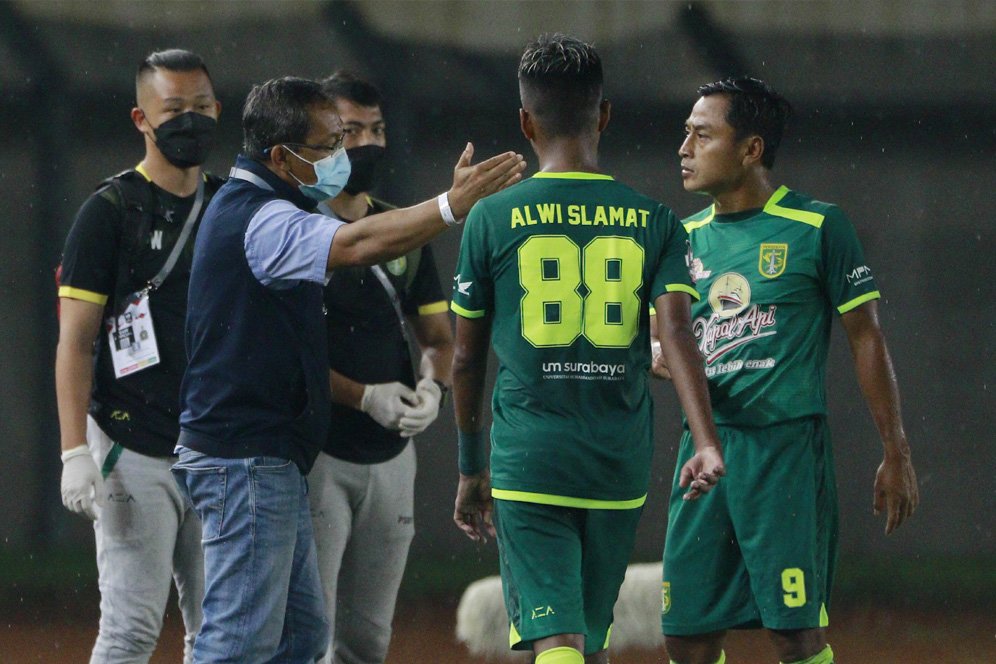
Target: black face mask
(363, 161)
(186, 139)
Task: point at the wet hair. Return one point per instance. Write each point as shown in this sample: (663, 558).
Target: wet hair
(346, 85)
(560, 82)
(173, 59)
(755, 109)
(277, 112)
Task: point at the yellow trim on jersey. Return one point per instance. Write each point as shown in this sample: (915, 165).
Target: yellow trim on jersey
(608, 635)
(805, 216)
(692, 225)
(140, 169)
(433, 308)
(572, 175)
(568, 501)
(824, 618)
(679, 288)
(466, 313)
(84, 295)
(858, 301)
(513, 635)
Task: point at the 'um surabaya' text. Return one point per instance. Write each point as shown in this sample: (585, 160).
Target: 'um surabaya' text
(578, 215)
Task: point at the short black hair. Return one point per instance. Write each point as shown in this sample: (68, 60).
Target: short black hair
(344, 84)
(277, 112)
(560, 81)
(172, 59)
(755, 108)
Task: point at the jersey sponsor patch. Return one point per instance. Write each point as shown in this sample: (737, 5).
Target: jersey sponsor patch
(859, 275)
(732, 323)
(772, 259)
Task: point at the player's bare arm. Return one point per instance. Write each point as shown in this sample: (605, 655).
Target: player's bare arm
(682, 357)
(473, 505)
(390, 234)
(895, 489)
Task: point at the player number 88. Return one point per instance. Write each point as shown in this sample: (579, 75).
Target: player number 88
(552, 267)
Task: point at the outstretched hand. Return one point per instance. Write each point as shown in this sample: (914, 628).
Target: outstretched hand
(702, 472)
(472, 183)
(896, 491)
(473, 507)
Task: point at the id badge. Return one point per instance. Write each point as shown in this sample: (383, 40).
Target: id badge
(132, 337)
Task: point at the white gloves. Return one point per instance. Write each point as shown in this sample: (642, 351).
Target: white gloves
(82, 485)
(387, 403)
(425, 411)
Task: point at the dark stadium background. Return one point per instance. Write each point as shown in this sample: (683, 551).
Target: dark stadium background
(895, 121)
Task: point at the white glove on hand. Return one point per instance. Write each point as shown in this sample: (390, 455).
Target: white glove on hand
(418, 418)
(82, 485)
(386, 403)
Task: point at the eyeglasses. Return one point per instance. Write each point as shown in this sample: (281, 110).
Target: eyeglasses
(321, 148)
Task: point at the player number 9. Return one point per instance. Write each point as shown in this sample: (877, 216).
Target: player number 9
(794, 585)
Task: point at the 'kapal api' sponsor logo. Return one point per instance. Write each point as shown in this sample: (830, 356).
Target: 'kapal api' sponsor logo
(734, 322)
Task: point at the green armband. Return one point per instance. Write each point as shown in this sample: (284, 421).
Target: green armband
(472, 457)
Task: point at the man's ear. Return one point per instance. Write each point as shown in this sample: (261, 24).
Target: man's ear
(137, 117)
(753, 150)
(278, 157)
(604, 111)
(526, 124)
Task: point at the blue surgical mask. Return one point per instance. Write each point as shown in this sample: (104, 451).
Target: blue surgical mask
(332, 173)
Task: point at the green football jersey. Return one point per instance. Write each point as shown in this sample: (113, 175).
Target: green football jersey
(770, 281)
(567, 265)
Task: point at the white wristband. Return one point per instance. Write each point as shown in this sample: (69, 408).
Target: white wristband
(444, 209)
(75, 452)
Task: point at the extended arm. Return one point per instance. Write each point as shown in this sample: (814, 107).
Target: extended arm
(684, 363)
(387, 235)
(472, 510)
(79, 325)
(895, 482)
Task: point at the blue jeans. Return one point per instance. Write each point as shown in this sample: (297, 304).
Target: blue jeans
(263, 598)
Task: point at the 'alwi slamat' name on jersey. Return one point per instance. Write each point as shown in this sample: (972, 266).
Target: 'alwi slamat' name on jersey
(574, 214)
(769, 281)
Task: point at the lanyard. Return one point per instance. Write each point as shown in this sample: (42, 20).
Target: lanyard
(249, 176)
(157, 281)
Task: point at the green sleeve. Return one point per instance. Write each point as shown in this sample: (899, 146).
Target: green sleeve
(847, 280)
(473, 288)
(671, 275)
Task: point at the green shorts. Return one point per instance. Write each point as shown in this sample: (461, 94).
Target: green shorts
(760, 548)
(561, 568)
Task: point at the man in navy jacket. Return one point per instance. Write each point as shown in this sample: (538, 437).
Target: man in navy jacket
(255, 396)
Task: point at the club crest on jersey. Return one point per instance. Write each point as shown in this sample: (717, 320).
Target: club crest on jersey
(772, 259)
(665, 597)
